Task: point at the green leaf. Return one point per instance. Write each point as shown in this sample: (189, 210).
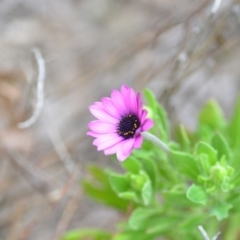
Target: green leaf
(130, 235)
(221, 145)
(204, 164)
(185, 164)
(191, 222)
(211, 115)
(171, 196)
(234, 127)
(221, 210)
(129, 195)
(153, 220)
(150, 168)
(132, 164)
(98, 173)
(146, 193)
(141, 183)
(205, 148)
(164, 126)
(204, 133)
(196, 194)
(226, 184)
(140, 216)
(98, 188)
(159, 115)
(162, 224)
(105, 195)
(183, 137)
(149, 96)
(234, 199)
(137, 181)
(119, 183)
(218, 172)
(90, 234)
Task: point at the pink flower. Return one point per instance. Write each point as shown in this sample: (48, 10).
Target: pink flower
(121, 119)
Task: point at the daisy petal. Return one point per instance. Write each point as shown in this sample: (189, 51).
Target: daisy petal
(113, 149)
(102, 127)
(125, 91)
(98, 104)
(138, 141)
(119, 102)
(110, 108)
(125, 149)
(102, 115)
(93, 134)
(144, 115)
(148, 123)
(132, 102)
(107, 140)
(139, 105)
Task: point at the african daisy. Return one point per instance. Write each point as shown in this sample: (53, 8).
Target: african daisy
(121, 119)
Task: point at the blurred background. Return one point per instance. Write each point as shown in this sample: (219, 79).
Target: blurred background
(185, 51)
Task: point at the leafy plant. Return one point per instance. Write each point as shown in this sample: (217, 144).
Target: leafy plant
(170, 194)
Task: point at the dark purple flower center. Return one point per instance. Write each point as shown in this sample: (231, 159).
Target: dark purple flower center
(128, 126)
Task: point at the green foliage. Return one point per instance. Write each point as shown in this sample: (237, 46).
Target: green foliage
(98, 188)
(132, 165)
(183, 138)
(168, 195)
(196, 194)
(141, 216)
(159, 115)
(221, 210)
(234, 128)
(131, 186)
(211, 116)
(219, 142)
(185, 164)
(87, 234)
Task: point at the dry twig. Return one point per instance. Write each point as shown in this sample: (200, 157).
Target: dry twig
(40, 90)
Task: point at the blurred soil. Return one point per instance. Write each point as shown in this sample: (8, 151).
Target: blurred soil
(176, 48)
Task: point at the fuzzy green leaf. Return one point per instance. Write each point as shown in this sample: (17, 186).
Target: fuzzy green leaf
(234, 127)
(91, 234)
(159, 115)
(150, 168)
(221, 145)
(98, 173)
(105, 195)
(132, 164)
(129, 195)
(220, 210)
(185, 164)
(119, 183)
(130, 235)
(196, 194)
(171, 196)
(211, 115)
(183, 137)
(146, 193)
(137, 181)
(205, 148)
(140, 216)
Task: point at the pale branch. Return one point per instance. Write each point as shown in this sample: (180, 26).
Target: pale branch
(40, 90)
(215, 6)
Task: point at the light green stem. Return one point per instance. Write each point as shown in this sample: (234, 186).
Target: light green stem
(203, 232)
(155, 140)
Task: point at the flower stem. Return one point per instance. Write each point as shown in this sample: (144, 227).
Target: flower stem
(155, 140)
(203, 232)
